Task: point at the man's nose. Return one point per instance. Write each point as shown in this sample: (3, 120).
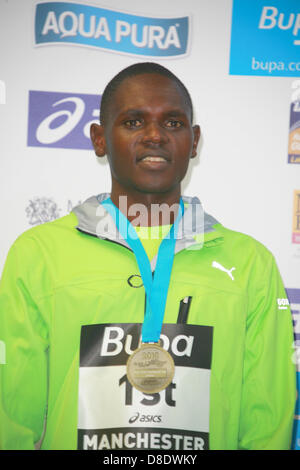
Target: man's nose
(155, 133)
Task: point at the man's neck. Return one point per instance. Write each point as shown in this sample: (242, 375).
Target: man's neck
(148, 209)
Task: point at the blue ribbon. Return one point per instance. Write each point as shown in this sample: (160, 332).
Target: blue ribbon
(156, 286)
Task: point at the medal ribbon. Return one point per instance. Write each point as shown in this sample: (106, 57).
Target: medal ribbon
(156, 286)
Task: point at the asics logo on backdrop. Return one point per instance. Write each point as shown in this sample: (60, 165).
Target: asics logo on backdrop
(91, 26)
(61, 119)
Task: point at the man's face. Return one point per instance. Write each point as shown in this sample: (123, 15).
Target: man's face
(148, 135)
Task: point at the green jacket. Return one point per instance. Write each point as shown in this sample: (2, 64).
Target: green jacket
(73, 272)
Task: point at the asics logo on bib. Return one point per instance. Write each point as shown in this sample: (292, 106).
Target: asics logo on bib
(134, 418)
(145, 418)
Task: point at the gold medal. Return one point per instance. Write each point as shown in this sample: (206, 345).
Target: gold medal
(150, 368)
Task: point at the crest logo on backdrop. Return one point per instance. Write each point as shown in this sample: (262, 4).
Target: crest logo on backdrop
(45, 209)
(90, 26)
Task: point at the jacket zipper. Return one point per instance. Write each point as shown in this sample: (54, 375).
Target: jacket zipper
(184, 310)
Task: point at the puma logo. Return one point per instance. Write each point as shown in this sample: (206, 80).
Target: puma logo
(217, 265)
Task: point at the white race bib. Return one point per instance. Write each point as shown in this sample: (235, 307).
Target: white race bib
(113, 415)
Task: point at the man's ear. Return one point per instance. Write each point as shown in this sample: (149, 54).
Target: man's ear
(197, 134)
(98, 139)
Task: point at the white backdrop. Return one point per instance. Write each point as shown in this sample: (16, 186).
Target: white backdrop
(241, 174)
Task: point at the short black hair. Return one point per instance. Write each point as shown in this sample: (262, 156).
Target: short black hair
(140, 68)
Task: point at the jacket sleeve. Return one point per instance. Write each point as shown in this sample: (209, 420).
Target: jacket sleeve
(23, 369)
(269, 378)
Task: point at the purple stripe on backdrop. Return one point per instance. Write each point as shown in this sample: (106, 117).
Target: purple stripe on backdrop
(293, 295)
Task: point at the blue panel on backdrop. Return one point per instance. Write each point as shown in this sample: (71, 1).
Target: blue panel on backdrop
(296, 430)
(85, 25)
(265, 38)
(294, 299)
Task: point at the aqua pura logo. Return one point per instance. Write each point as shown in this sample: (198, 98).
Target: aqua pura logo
(90, 26)
(265, 38)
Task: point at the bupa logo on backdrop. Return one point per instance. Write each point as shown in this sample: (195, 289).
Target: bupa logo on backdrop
(265, 38)
(61, 119)
(76, 23)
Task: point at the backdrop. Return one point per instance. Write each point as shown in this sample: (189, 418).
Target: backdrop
(241, 62)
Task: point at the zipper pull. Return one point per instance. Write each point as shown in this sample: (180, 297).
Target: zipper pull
(184, 310)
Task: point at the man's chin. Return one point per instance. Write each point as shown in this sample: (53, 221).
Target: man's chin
(153, 188)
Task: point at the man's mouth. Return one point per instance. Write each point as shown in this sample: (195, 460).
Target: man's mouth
(152, 158)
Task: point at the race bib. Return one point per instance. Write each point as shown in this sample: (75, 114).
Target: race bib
(114, 415)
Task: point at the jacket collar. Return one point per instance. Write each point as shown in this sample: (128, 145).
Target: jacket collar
(195, 229)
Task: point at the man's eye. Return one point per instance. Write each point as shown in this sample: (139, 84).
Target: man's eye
(133, 123)
(174, 123)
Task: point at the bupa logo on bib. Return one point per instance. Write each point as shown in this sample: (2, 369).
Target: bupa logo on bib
(265, 38)
(76, 23)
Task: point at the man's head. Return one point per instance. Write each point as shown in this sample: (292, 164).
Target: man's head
(133, 71)
(146, 132)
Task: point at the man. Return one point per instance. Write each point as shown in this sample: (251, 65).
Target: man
(108, 347)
